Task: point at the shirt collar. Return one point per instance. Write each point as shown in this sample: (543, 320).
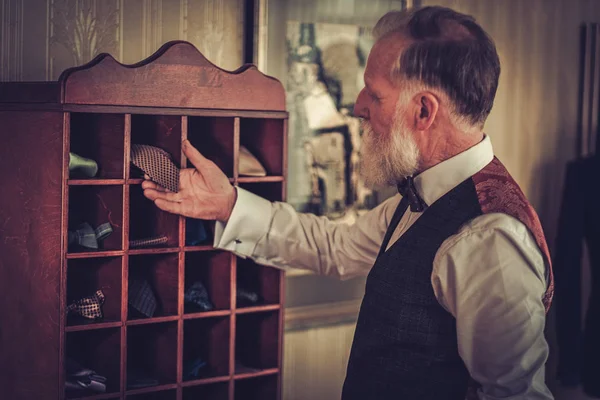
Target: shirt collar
(438, 180)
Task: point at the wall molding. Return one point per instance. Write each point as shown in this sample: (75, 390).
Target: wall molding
(319, 315)
(11, 40)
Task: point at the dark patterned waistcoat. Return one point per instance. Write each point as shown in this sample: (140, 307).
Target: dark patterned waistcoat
(405, 344)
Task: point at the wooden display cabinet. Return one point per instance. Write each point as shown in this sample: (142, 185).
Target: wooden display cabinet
(98, 111)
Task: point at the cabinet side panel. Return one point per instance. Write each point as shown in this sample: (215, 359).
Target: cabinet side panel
(30, 253)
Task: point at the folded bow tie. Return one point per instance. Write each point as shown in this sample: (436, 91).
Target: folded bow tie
(88, 307)
(246, 297)
(195, 232)
(85, 166)
(197, 296)
(408, 191)
(157, 164)
(137, 379)
(249, 164)
(89, 237)
(80, 378)
(192, 368)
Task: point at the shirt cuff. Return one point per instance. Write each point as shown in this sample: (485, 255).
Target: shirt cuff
(249, 222)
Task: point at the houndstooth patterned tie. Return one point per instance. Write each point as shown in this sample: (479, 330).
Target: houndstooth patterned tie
(147, 242)
(88, 307)
(158, 164)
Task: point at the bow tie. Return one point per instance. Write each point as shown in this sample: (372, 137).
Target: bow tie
(87, 237)
(408, 191)
(88, 307)
(148, 242)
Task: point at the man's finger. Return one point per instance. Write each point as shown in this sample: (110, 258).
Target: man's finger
(195, 157)
(168, 196)
(169, 206)
(154, 186)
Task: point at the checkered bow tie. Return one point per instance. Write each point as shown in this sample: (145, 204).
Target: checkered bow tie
(157, 164)
(88, 307)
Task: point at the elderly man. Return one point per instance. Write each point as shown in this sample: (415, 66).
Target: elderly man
(459, 276)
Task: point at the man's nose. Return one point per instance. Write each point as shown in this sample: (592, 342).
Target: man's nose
(360, 108)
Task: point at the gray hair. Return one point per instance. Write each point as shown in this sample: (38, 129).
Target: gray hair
(449, 51)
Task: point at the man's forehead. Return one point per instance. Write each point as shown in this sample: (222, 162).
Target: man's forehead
(382, 56)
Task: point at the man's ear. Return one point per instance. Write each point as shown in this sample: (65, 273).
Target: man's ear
(426, 109)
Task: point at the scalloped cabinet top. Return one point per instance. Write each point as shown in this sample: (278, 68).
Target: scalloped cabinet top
(177, 75)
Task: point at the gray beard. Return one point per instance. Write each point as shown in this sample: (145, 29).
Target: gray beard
(387, 159)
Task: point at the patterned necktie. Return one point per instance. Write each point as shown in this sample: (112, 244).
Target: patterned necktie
(408, 190)
(157, 164)
(88, 307)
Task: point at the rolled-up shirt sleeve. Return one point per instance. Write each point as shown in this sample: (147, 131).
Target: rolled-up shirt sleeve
(491, 277)
(273, 233)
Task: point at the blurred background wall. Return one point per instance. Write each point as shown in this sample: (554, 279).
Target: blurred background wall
(532, 126)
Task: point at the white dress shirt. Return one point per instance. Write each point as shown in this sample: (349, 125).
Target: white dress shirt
(490, 275)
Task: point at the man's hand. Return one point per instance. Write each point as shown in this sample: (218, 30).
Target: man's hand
(204, 191)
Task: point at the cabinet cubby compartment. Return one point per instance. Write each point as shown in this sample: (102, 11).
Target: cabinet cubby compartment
(100, 137)
(162, 395)
(85, 277)
(96, 205)
(213, 137)
(263, 137)
(256, 341)
(256, 285)
(148, 221)
(152, 353)
(98, 350)
(213, 270)
(199, 232)
(205, 348)
(272, 191)
(163, 131)
(213, 391)
(260, 388)
(153, 276)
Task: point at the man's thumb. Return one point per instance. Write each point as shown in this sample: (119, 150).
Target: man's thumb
(192, 154)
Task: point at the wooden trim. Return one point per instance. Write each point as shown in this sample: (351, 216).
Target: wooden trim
(64, 248)
(110, 109)
(180, 76)
(309, 317)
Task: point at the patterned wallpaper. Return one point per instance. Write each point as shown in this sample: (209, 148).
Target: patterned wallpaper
(41, 38)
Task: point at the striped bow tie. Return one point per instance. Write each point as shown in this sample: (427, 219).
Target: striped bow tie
(88, 307)
(141, 297)
(89, 237)
(148, 242)
(157, 164)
